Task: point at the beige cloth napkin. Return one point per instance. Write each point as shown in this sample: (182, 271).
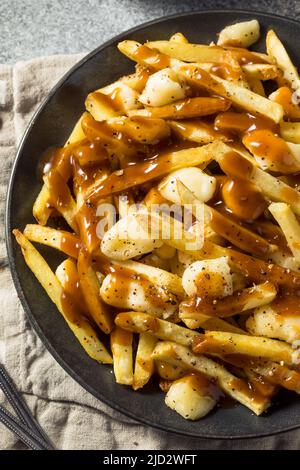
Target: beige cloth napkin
(72, 417)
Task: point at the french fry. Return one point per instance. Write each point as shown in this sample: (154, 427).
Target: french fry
(112, 100)
(140, 294)
(64, 203)
(238, 302)
(160, 277)
(144, 55)
(139, 129)
(90, 288)
(289, 225)
(138, 79)
(285, 96)
(104, 134)
(230, 343)
(168, 371)
(192, 396)
(202, 53)
(64, 241)
(270, 322)
(277, 51)
(81, 328)
(210, 277)
(142, 323)
(260, 71)
(222, 225)
(218, 324)
(67, 274)
(165, 252)
(121, 346)
(144, 363)
(290, 131)
(196, 131)
(271, 372)
(162, 88)
(184, 190)
(236, 388)
(184, 109)
(77, 133)
(267, 149)
(242, 34)
(154, 260)
(41, 208)
(277, 374)
(172, 232)
(179, 37)
(127, 239)
(211, 323)
(272, 187)
(140, 173)
(240, 96)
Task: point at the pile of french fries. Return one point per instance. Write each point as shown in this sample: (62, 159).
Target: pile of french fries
(215, 128)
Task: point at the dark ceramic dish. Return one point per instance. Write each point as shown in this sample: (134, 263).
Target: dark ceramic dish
(50, 126)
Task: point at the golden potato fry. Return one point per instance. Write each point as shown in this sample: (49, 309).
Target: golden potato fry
(252, 268)
(242, 34)
(290, 131)
(240, 96)
(81, 328)
(144, 364)
(236, 165)
(64, 241)
(100, 106)
(90, 289)
(143, 130)
(256, 86)
(41, 208)
(226, 227)
(289, 225)
(218, 324)
(277, 51)
(145, 56)
(196, 131)
(192, 396)
(179, 37)
(77, 133)
(230, 343)
(231, 385)
(271, 322)
(61, 197)
(158, 276)
(125, 289)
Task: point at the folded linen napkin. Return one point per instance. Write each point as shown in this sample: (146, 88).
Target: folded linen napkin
(72, 417)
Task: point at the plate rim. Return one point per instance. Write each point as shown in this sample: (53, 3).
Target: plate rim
(9, 240)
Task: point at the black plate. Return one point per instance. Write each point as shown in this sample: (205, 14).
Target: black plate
(50, 126)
